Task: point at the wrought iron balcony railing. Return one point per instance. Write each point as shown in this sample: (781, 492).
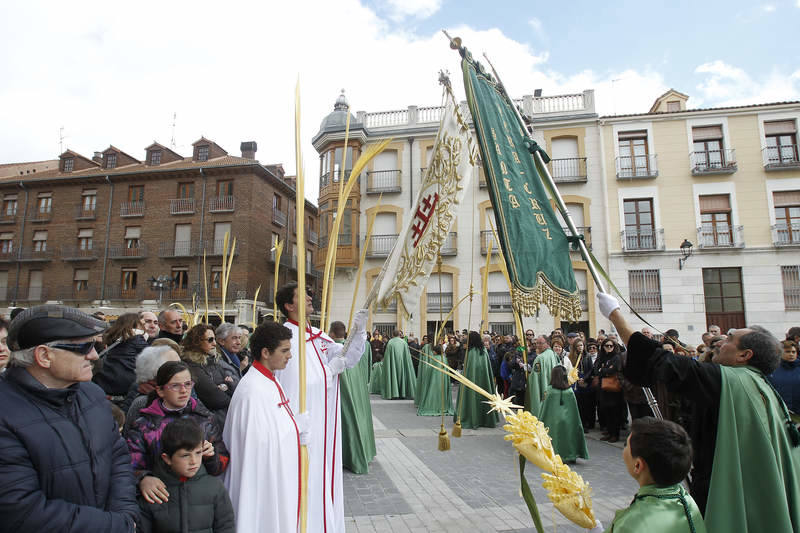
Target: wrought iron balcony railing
(279, 217)
(568, 170)
(784, 234)
(32, 254)
(83, 212)
(217, 247)
(440, 301)
(780, 157)
(713, 162)
(450, 245)
(487, 237)
(222, 204)
(71, 294)
(76, 253)
(177, 249)
(642, 239)
(639, 166)
(132, 209)
(41, 214)
(381, 245)
(124, 252)
(720, 236)
(8, 218)
(499, 302)
(383, 181)
(181, 206)
(33, 294)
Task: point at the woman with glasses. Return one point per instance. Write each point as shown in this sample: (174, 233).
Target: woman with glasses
(172, 399)
(125, 340)
(213, 386)
(608, 368)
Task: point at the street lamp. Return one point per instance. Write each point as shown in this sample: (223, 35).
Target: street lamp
(161, 283)
(686, 250)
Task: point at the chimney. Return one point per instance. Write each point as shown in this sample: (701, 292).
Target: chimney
(98, 157)
(248, 149)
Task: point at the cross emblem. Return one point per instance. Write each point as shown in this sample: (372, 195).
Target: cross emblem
(423, 216)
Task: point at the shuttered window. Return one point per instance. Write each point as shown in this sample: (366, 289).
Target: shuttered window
(645, 290)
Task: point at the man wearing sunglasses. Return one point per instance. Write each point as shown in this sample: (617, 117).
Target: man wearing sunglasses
(64, 465)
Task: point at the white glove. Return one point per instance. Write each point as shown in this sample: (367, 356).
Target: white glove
(337, 365)
(303, 422)
(360, 320)
(606, 303)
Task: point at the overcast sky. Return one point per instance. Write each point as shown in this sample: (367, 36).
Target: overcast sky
(114, 72)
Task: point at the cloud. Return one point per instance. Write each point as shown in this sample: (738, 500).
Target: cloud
(728, 85)
(401, 9)
(768, 8)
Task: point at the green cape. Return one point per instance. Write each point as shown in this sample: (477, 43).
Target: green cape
(474, 411)
(754, 479)
(559, 414)
(398, 371)
(358, 436)
(539, 380)
(376, 378)
(667, 509)
(424, 355)
(430, 383)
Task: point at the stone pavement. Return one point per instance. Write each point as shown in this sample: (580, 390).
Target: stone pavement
(413, 487)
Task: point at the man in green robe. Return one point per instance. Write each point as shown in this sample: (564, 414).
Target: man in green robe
(658, 456)
(398, 371)
(432, 394)
(473, 409)
(747, 450)
(421, 357)
(539, 377)
(358, 435)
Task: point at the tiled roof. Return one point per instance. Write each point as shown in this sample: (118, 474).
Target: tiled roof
(726, 108)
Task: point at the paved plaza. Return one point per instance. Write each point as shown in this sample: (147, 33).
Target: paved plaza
(413, 487)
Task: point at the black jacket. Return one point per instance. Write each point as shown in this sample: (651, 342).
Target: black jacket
(199, 504)
(119, 366)
(63, 465)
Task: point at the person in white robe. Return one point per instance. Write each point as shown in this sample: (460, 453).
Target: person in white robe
(325, 360)
(264, 437)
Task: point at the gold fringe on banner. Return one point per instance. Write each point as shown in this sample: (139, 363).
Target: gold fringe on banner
(561, 305)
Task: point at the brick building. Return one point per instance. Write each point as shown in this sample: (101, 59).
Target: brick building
(93, 232)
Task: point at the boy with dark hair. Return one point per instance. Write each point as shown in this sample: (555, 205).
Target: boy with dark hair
(658, 456)
(198, 502)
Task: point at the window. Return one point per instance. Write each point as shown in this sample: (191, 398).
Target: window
(132, 236)
(707, 148)
(276, 202)
(338, 171)
(69, 164)
(111, 160)
(3, 285)
(715, 219)
(216, 277)
(89, 200)
(6, 243)
(183, 240)
(10, 205)
(155, 157)
(181, 277)
(186, 190)
(673, 106)
(787, 216)
(346, 230)
(722, 288)
(639, 224)
(44, 202)
(224, 188)
(781, 137)
(791, 286)
(633, 156)
(202, 153)
(80, 279)
(39, 241)
(136, 193)
(220, 229)
(35, 285)
(85, 239)
(129, 281)
(645, 290)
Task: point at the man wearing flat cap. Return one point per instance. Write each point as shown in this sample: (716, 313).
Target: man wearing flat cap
(63, 465)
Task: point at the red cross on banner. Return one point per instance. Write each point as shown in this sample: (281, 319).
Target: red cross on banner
(423, 216)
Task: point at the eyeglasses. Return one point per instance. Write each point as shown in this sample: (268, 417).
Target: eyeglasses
(177, 387)
(608, 346)
(592, 348)
(84, 348)
(209, 339)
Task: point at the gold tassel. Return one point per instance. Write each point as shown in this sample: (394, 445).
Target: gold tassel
(456, 432)
(444, 439)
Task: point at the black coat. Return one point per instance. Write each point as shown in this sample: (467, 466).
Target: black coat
(199, 504)
(63, 465)
(119, 366)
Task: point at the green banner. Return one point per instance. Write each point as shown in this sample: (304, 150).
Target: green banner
(533, 243)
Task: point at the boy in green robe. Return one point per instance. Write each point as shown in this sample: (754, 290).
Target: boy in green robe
(658, 455)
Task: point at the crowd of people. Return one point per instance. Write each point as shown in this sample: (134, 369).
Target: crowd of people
(200, 428)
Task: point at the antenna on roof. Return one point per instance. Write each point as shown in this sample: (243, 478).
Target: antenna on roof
(172, 141)
(61, 140)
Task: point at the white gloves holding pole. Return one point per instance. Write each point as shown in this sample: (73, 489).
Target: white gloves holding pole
(303, 421)
(606, 303)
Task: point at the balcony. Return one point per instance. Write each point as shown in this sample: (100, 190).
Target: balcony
(181, 206)
(499, 302)
(8, 218)
(568, 170)
(216, 247)
(450, 244)
(381, 245)
(132, 209)
(76, 253)
(31, 254)
(440, 301)
(124, 252)
(712, 162)
(7, 294)
(382, 181)
(487, 236)
(70, 294)
(780, 158)
(176, 249)
(786, 234)
(83, 212)
(720, 236)
(33, 294)
(234, 292)
(279, 217)
(222, 204)
(8, 255)
(313, 237)
(41, 214)
(116, 292)
(586, 231)
(640, 166)
(642, 240)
